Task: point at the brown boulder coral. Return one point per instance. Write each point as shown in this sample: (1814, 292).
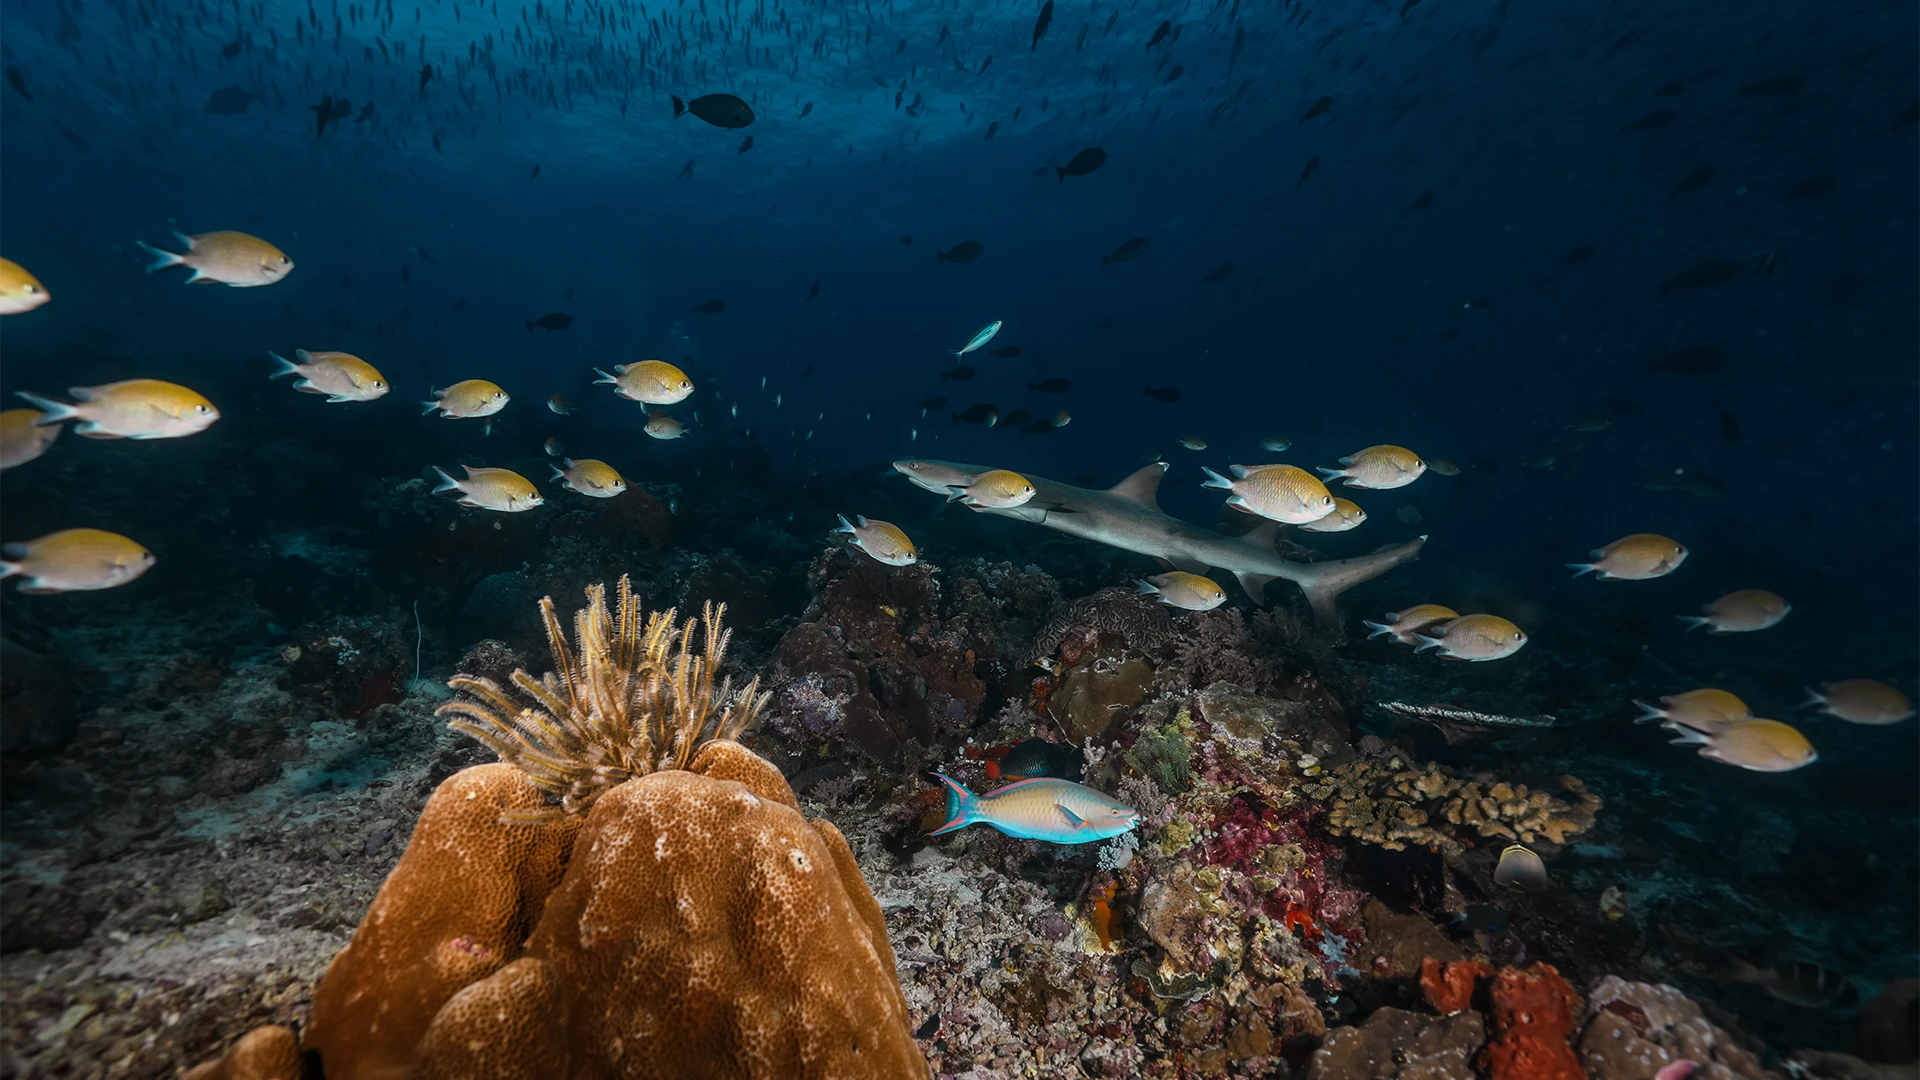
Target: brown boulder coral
(630, 894)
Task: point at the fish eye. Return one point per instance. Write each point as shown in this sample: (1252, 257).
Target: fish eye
(379, 384)
(29, 289)
(284, 261)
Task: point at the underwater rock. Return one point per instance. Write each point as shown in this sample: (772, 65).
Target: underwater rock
(36, 702)
(1636, 1029)
(496, 606)
(1397, 944)
(1394, 1044)
(1090, 695)
(1889, 1027)
(47, 917)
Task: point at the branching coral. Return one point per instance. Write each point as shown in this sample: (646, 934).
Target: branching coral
(1396, 805)
(630, 698)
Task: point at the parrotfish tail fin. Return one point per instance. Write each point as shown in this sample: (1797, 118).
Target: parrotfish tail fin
(55, 411)
(1256, 586)
(1694, 622)
(1329, 474)
(1426, 643)
(1582, 568)
(161, 259)
(281, 365)
(1687, 736)
(1648, 712)
(1214, 479)
(845, 525)
(1375, 629)
(447, 483)
(679, 107)
(960, 805)
(604, 378)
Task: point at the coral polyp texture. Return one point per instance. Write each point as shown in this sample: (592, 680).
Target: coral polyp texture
(674, 916)
(631, 697)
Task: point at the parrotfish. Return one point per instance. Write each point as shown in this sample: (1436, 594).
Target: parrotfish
(1057, 811)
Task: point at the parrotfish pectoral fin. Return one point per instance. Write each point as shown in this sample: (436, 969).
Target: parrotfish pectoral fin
(960, 805)
(1074, 821)
(1143, 487)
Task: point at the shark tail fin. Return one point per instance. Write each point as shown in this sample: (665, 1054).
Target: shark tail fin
(1323, 582)
(960, 805)
(1256, 586)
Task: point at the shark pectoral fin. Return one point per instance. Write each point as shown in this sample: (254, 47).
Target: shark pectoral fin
(1143, 487)
(1256, 586)
(1074, 821)
(1057, 508)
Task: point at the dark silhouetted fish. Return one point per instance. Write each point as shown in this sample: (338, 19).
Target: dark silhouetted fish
(1313, 163)
(1126, 252)
(1174, 74)
(964, 252)
(1698, 360)
(686, 171)
(18, 82)
(1729, 427)
(426, 76)
(1776, 86)
(1166, 394)
(1008, 351)
(808, 109)
(1160, 33)
(555, 320)
(959, 374)
(807, 372)
(366, 114)
(979, 414)
(232, 48)
(1051, 386)
(1218, 274)
(229, 101)
(535, 174)
(1040, 25)
(720, 110)
(1577, 255)
(327, 112)
(1318, 108)
(1801, 983)
(746, 144)
(711, 307)
(1807, 189)
(1693, 181)
(815, 291)
(1425, 200)
(1083, 163)
(1658, 118)
(1479, 919)
(1038, 757)
(1705, 275)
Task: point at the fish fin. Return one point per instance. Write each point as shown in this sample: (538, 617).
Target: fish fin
(1427, 643)
(161, 259)
(1649, 712)
(427, 407)
(557, 473)
(1143, 587)
(283, 366)
(90, 430)
(1582, 567)
(1694, 622)
(1323, 582)
(1346, 461)
(1190, 566)
(447, 482)
(8, 569)
(1376, 629)
(845, 525)
(679, 107)
(200, 278)
(1329, 474)
(185, 240)
(960, 805)
(55, 411)
(1262, 535)
(1143, 487)
(1256, 586)
(1814, 697)
(1074, 821)
(333, 400)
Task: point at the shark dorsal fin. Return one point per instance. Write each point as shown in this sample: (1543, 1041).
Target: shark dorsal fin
(1143, 487)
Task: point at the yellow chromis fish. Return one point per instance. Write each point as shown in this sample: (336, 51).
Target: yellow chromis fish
(995, 489)
(1346, 515)
(1862, 701)
(558, 405)
(1404, 626)
(1759, 745)
(1180, 589)
(1709, 709)
(132, 409)
(467, 399)
(883, 541)
(22, 436)
(1282, 493)
(1634, 558)
(1740, 612)
(224, 258)
(491, 489)
(1043, 808)
(649, 382)
(590, 477)
(1378, 468)
(662, 426)
(1473, 637)
(75, 560)
(340, 376)
(19, 290)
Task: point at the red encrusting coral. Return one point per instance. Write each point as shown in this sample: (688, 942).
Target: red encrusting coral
(1448, 987)
(1101, 915)
(1533, 1013)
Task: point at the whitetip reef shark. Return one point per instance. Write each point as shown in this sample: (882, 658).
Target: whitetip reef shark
(1128, 516)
